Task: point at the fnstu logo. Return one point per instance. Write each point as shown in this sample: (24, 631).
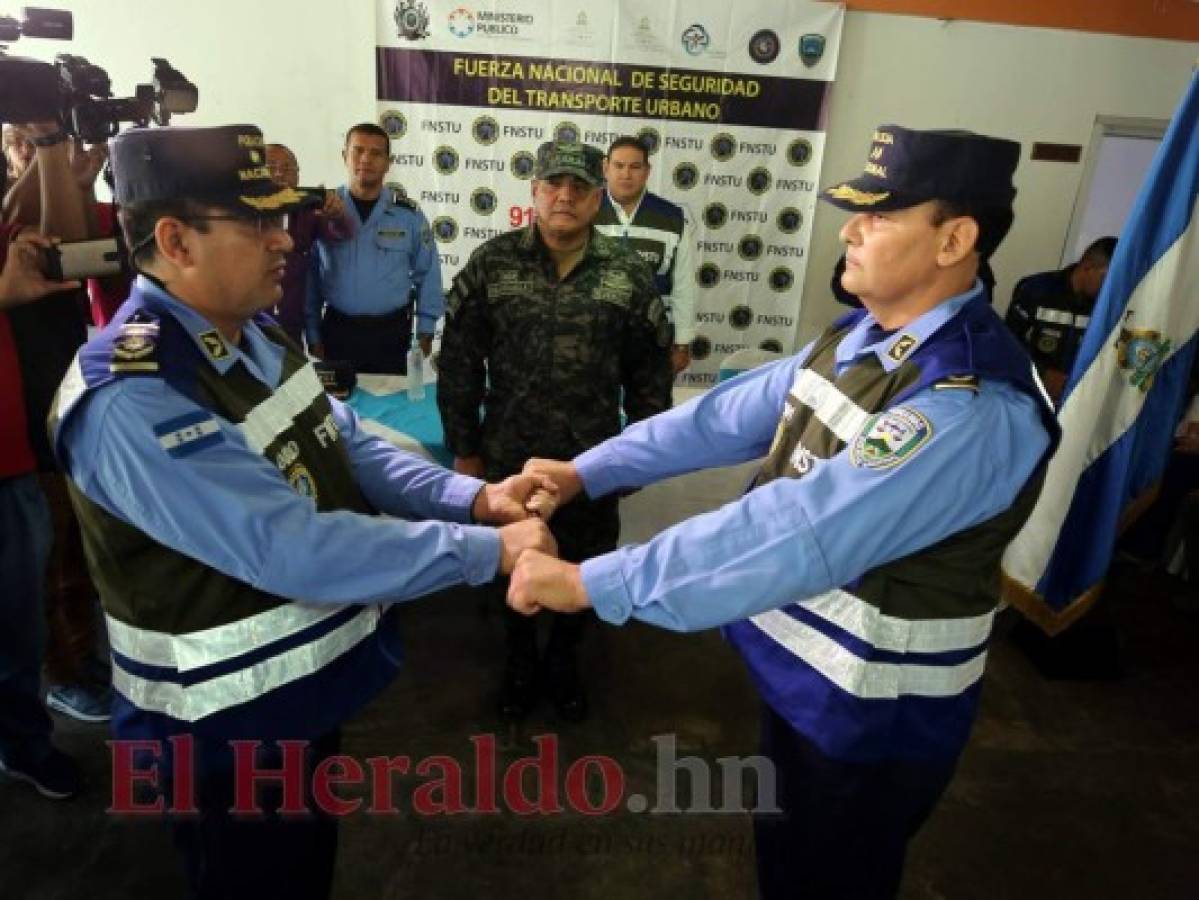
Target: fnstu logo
(781, 279)
(445, 160)
(445, 229)
(799, 152)
(483, 201)
(701, 348)
(723, 146)
(750, 247)
(651, 139)
(567, 132)
(522, 164)
(789, 220)
(394, 123)
(758, 181)
(708, 275)
(686, 176)
(741, 317)
(486, 130)
(715, 215)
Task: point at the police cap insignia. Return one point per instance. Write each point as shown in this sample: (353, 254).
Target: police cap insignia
(853, 195)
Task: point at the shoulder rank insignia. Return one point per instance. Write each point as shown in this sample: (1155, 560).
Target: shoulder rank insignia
(903, 345)
(134, 348)
(890, 438)
(214, 344)
(958, 382)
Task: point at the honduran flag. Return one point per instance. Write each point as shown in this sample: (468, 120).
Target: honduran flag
(1125, 394)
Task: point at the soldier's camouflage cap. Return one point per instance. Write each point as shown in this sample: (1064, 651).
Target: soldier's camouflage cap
(570, 158)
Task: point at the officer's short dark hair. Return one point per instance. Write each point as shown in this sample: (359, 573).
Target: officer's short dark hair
(369, 128)
(138, 221)
(628, 140)
(994, 222)
(1100, 252)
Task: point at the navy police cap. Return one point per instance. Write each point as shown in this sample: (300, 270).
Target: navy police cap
(223, 165)
(907, 167)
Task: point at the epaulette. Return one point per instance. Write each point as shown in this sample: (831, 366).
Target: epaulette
(135, 348)
(957, 383)
(399, 196)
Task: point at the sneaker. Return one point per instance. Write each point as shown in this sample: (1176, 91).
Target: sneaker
(54, 774)
(85, 702)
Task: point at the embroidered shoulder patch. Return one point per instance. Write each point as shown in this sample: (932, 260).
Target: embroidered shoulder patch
(187, 434)
(134, 349)
(890, 438)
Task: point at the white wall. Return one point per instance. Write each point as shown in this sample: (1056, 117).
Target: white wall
(303, 70)
(1027, 84)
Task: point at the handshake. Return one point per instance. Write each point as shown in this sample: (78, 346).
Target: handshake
(528, 551)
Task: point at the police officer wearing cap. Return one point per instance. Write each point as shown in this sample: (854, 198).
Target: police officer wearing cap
(360, 300)
(904, 447)
(228, 511)
(548, 329)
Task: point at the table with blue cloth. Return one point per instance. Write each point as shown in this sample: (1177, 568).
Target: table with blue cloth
(382, 403)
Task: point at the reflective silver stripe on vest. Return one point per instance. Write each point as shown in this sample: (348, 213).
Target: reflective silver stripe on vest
(840, 415)
(866, 622)
(274, 415)
(199, 700)
(197, 649)
(1061, 317)
(868, 680)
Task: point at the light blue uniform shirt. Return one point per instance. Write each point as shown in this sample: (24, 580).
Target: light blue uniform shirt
(373, 273)
(230, 508)
(794, 538)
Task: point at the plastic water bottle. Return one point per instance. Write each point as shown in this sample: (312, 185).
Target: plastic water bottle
(416, 374)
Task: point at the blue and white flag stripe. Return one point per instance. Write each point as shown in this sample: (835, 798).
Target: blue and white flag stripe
(188, 433)
(1116, 435)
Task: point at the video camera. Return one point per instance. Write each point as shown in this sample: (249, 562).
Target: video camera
(77, 93)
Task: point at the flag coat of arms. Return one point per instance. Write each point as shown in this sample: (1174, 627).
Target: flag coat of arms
(1125, 394)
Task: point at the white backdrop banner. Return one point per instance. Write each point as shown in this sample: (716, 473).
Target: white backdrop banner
(731, 98)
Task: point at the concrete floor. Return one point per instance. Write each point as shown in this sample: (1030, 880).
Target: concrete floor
(1068, 788)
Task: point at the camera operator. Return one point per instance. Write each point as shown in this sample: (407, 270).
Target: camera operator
(25, 522)
(46, 335)
(24, 201)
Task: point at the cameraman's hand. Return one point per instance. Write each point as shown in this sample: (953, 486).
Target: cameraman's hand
(21, 279)
(86, 163)
(333, 207)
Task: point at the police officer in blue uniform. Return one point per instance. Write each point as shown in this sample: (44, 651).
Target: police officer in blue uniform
(228, 510)
(367, 285)
(904, 448)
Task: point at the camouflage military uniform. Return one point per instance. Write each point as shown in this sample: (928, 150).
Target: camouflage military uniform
(547, 361)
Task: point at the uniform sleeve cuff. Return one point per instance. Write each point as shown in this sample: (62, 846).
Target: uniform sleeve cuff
(606, 588)
(459, 498)
(595, 467)
(482, 562)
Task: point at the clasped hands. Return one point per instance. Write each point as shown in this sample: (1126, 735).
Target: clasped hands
(539, 580)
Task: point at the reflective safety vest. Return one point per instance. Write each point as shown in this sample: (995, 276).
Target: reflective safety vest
(654, 232)
(195, 650)
(889, 666)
